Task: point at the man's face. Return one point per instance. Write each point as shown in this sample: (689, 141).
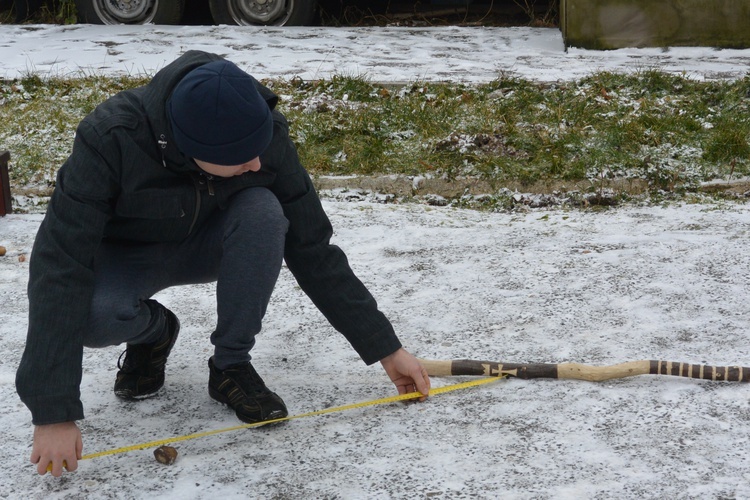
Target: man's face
(229, 171)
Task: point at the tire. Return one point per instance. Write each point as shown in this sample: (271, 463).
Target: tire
(130, 11)
(264, 12)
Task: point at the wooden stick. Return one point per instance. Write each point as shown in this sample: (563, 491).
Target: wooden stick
(438, 368)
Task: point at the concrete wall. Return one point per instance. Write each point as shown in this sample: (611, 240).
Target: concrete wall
(613, 24)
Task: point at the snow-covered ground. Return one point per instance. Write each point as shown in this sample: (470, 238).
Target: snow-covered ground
(542, 286)
(382, 54)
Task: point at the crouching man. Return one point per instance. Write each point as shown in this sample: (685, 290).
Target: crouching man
(190, 179)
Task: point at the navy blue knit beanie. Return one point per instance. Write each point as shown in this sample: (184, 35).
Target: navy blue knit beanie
(218, 116)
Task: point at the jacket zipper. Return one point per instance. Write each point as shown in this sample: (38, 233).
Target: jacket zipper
(197, 205)
(162, 146)
(197, 183)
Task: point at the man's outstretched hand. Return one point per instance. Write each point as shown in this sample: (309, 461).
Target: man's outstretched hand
(407, 374)
(56, 445)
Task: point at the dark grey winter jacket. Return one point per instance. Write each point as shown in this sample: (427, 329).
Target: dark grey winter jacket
(125, 180)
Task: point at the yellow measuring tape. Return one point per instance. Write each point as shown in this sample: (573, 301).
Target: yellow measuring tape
(392, 399)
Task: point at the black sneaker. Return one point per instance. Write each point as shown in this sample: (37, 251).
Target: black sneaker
(240, 387)
(142, 372)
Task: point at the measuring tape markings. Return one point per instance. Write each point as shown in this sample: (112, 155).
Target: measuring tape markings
(363, 404)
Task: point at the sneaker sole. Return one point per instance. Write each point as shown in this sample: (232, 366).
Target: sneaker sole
(129, 396)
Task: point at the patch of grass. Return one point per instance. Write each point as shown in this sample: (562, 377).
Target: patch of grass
(727, 141)
(46, 12)
(610, 135)
(39, 119)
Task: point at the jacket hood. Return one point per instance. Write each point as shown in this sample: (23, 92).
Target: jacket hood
(156, 95)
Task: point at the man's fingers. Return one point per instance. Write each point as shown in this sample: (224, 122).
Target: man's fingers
(422, 382)
(42, 469)
(426, 382)
(56, 467)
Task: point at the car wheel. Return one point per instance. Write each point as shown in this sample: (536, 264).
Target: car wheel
(264, 12)
(130, 11)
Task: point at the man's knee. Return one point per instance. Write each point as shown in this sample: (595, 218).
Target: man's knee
(259, 209)
(112, 322)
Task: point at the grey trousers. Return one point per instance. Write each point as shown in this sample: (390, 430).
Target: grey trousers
(240, 248)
